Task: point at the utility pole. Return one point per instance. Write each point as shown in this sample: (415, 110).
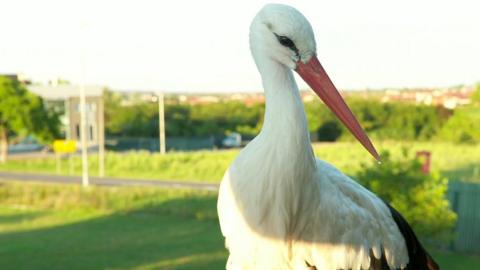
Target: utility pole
(101, 138)
(83, 115)
(161, 122)
(83, 134)
(68, 134)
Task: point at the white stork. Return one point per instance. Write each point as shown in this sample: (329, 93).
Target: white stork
(279, 206)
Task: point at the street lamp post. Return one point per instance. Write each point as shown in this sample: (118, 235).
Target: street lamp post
(83, 113)
(83, 133)
(161, 122)
(101, 138)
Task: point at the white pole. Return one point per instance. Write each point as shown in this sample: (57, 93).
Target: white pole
(83, 135)
(101, 139)
(161, 122)
(83, 117)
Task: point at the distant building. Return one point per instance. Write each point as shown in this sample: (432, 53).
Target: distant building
(448, 98)
(67, 98)
(132, 97)
(18, 77)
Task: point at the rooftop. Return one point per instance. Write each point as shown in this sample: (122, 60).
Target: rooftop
(60, 92)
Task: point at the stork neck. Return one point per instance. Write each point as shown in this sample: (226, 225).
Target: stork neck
(285, 123)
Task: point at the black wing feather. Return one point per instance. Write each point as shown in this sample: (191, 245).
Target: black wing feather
(419, 259)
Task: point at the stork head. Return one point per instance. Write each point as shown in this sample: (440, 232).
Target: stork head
(281, 33)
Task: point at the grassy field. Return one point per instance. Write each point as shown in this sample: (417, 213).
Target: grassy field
(458, 162)
(64, 227)
(67, 227)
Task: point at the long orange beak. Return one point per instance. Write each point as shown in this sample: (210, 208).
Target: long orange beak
(314, 75)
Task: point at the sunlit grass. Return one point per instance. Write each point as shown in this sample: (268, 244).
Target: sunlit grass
(454, 261)
(69, 227)
(456, 161)
(205, 261)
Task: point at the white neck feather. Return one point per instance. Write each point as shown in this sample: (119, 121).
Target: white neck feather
(275, 168)
(285, 124)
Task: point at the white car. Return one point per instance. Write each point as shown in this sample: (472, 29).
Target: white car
(232, 140)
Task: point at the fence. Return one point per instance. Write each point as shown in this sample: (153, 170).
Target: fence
(152, 144)
(465, 201)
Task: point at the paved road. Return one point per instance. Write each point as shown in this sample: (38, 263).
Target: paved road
(106, 181)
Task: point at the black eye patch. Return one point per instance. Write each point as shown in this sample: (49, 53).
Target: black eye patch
(285, 41)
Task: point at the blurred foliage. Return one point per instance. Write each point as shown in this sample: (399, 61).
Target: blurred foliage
(476, 95)
(463, 126)
(418, 196)
(137, 120)
(141, 119)
(458, 162)
(381, 120)
(186, 203)
(386, 121)
(23, 113)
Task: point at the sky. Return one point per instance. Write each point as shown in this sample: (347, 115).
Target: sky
(202, 46)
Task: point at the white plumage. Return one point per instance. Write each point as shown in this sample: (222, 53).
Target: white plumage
(279, 206)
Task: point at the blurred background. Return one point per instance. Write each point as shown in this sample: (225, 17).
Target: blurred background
(119, 118)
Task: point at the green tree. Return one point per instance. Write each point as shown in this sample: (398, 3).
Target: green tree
(419, 197)
(322, 121)
(390, 121)
(23, 113)
(476, 95)
(141, 119)
(463, 126)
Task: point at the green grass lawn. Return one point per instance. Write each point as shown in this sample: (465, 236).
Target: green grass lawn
(64, 227)
(67, 227)
(456, 161)
(453, 261)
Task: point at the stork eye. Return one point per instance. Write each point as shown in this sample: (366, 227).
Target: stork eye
(285, 41)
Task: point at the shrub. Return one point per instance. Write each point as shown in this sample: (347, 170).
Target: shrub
(419, 197)
(463, 126)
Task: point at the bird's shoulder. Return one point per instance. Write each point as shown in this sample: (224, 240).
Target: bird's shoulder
(350, 200)
(333, 183)
(357, 220)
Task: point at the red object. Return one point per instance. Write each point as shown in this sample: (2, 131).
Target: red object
(314, 75)
(425, 158)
